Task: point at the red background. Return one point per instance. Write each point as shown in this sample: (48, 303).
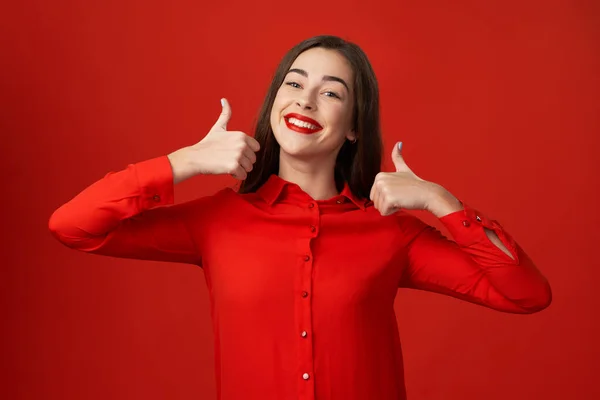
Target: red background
(497, 101)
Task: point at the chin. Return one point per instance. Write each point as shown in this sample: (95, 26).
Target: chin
(294, 147)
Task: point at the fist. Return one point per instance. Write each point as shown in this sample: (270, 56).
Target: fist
(392, 191)
(226, 152)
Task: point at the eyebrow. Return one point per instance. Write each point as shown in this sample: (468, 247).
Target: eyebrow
(325, 77)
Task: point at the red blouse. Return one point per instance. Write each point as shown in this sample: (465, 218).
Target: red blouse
(301, 291)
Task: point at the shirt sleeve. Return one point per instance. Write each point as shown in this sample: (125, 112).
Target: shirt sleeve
(130, 214)
(471, 267)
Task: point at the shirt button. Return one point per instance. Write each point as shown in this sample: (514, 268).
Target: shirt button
(312, 228)
(304, 294)
(305, 376)
(156, 198)
(311, 205)
(466, 223)
(306, 258)
(304, 334)
(478, 218)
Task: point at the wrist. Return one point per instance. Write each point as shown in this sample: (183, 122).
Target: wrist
(183, 164)
(442, 202)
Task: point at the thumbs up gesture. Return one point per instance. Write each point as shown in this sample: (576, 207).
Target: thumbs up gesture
(225, 152)
(392, 191)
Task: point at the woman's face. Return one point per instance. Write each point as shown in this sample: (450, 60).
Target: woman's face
(312, 112)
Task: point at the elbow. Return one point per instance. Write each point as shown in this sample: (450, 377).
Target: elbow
(540, 300)
(60, 227)
(56, 225)
(55, 222)
(65, 225)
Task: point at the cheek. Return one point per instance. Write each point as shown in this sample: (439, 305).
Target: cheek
(278, 100)
(275, 112)
(339, 116)
(279, 105)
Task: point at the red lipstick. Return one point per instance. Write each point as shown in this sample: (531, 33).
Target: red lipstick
(316, 127)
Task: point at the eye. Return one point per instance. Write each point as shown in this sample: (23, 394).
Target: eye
(332, 94)
(293, 84)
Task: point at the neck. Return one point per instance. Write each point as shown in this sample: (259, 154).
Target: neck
(315, 177)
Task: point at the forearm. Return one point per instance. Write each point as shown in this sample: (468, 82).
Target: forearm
(475, 267)
(496, 241)
(472, 269)
(103, 205)
(130, 214)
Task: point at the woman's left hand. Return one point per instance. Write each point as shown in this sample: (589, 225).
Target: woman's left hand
(392, 191)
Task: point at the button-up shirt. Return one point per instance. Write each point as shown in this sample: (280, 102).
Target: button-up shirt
(301, 290)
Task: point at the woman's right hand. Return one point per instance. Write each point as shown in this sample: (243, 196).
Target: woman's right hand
(220, 152)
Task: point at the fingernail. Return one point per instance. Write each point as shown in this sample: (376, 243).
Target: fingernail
(399, 146)
(222, 103)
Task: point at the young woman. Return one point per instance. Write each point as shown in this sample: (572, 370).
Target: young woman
(303, 262)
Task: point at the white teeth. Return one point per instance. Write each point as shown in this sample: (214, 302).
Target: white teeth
(301, 124)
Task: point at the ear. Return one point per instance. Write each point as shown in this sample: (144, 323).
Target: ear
(351, 136)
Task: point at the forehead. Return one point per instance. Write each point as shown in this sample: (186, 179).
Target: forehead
(318, 62)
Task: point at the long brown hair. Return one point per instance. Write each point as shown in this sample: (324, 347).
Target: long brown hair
(356, 163)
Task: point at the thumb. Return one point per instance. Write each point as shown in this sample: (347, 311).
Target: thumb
(398, 160)
(225, 116)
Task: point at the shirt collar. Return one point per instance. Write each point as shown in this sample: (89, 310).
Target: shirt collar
(274, 187)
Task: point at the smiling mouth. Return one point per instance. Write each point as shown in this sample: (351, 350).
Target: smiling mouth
(302, 124)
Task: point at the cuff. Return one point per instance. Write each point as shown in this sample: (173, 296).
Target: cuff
(467, 228)
(155, 179)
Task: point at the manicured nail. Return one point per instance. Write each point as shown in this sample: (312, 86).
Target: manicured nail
(222, 103)
(399, 146)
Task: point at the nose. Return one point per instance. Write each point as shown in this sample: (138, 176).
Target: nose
(305, 103)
